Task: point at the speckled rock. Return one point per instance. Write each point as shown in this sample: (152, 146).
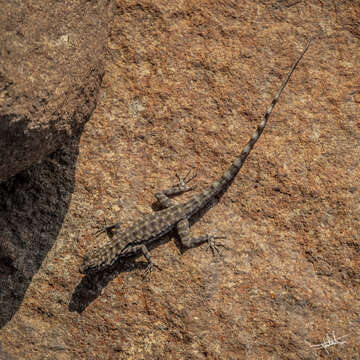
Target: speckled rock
(51, 65)
(185, 85)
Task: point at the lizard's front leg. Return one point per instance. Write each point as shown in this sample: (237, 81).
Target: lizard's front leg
(181, 187)
(150, 266)
(109, 229)
(184, 234)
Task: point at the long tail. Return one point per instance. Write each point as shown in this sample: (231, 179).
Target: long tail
(226, 179)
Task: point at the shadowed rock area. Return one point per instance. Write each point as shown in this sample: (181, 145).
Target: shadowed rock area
(51, 65)
(185, 85)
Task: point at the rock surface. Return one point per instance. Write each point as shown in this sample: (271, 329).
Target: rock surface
(51, 65)
(184, 87)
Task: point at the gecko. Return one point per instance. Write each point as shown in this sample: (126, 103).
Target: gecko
(136, 238)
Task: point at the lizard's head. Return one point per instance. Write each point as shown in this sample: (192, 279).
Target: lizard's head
(91, 264)
(87, 265)
(97, 260)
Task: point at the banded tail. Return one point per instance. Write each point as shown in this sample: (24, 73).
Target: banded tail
(225, 180)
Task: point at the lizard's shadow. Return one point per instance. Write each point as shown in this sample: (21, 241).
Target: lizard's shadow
(91, 285)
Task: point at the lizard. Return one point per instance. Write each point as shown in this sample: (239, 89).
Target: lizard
(135, 239)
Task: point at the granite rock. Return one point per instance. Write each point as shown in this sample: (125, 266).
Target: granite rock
(185, 85)
(51, 66)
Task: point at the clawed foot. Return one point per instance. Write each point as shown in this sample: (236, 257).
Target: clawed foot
(182, 184)
(109, 229)
(149, 268)
(215, 246)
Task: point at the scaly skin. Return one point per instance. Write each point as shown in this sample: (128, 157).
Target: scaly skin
(153, 226)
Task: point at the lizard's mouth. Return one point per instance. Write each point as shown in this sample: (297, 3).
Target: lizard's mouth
(87, 266)
(84, 267)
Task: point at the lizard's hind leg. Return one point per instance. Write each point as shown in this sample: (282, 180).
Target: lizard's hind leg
(184, 234)
(181, 187)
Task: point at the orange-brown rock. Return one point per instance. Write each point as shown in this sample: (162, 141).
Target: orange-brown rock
(51, 65)
(184, 87)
